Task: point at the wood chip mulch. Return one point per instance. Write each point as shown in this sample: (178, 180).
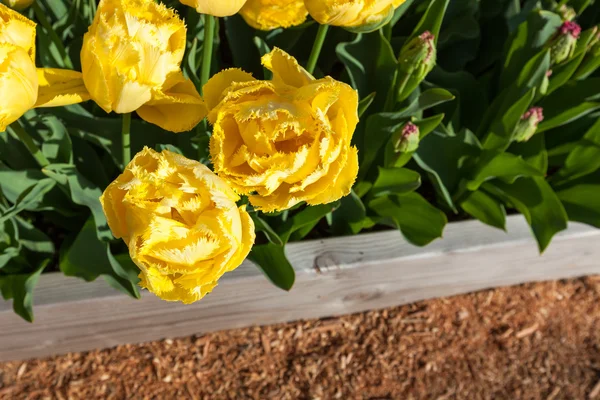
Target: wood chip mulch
(536, 341)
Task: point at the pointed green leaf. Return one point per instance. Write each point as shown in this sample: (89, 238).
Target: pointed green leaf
(271, 259)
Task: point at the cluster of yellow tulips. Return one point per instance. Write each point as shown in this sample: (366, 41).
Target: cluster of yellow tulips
(280, 142)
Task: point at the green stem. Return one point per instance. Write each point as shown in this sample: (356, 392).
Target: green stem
(316, 50)
(30, 144)
(41, 17)
(126, 136)
(209, 35)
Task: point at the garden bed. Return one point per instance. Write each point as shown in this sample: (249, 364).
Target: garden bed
(333, 277)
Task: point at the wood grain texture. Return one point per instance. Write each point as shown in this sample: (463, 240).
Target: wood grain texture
(334, 277)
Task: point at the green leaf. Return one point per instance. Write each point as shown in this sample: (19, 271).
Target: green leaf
(33, 239)
(272, 261)
(585, 156)
(529, 38)
(19, 287)
(10, 245)
(88, 258)
(369, 55)
(83, 192)
(535, 199)
(263, 226)
(533, 152)
(364, 104)
(309, 216)
(57, 145)
(31, 196)
(505, 166)
(395, 181)
(570, 102)
(350, 216)
(485, 208)
(420, 222)
(382, 126)
(240, 37)
(443, 157)
(431, 20)
(581, 200)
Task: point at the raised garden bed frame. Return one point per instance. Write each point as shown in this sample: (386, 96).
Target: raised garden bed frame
(334, 276)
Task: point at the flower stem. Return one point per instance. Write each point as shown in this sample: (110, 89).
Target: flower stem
(30, 144)
(126, 138)
(209, 34)
(41, 17)
(316, 50)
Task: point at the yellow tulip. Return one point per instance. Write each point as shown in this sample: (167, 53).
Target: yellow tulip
(217, 8)
(180, 222)
(286, 140)
(351, 13)
(22, 86)
(18, 4)
(131, 60)
(271, 14)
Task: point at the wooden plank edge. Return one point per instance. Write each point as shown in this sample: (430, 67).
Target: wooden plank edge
(335, 276)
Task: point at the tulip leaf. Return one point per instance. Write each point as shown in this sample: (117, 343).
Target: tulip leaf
(505, 166)
(272, 261)
(420, 222)
(82, 192)
(19, 288)
(533, 152)
(581, 199)
(534, 198)
(395, 181)
(263, 226)
(431, 20)
(370, 63)
(308, 217)
(350, 216)
(584, 158)
(31, 196)
(364, 104)
(485, 208)
(86, 257)
(57, 145)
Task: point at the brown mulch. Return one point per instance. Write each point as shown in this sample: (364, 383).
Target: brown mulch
(536, 341)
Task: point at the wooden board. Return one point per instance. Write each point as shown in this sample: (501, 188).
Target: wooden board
(334, 277)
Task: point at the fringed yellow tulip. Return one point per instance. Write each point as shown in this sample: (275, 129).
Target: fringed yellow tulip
(351, 13)
(180, 222)
(131, 60)
(283, 141)
(271, 14)
(217, 8)
(18, 4)
(22, 86)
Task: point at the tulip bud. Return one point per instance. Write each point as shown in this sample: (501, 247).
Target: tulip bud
(18, 4)
(418, 55)
(407, 139)
(417, 58)
(564, 43)
(529, 124)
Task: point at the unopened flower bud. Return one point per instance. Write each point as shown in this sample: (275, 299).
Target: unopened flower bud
(418, 55)
(529, 124)
(407, 139)
(564, 43)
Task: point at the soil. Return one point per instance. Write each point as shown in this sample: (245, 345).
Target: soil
(536, 341)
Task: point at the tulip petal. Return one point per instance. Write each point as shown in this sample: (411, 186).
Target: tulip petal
(18, 30)
(268, 14)
(178, 109)
(286, 69)
(60, 87)
(218, 8)
(214, 88)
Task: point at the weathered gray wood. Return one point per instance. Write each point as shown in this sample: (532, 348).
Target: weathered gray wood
(334, 277)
